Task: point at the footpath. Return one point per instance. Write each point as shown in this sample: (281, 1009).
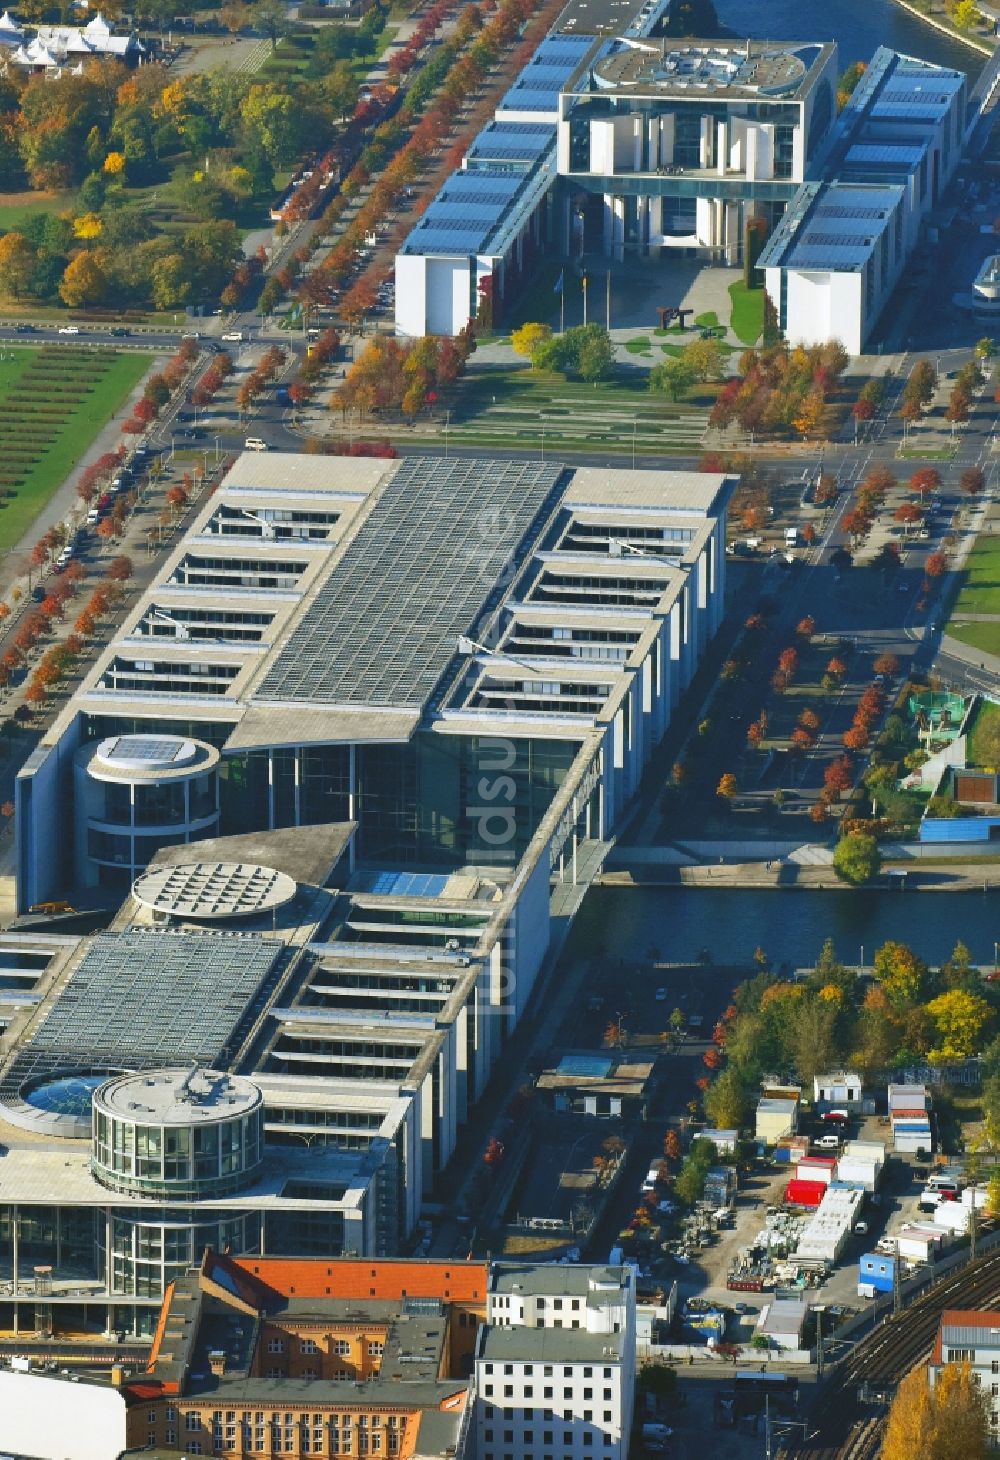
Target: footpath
(918, 876)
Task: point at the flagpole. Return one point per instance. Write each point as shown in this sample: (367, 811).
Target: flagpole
(585, 299)
(562, 306)
(609, 302)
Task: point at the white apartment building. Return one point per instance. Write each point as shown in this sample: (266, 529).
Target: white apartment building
(554, 1369)
(971, 1337)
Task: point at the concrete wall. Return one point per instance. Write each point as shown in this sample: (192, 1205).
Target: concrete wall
(43, 797)
(411, 294)
(56, 1419)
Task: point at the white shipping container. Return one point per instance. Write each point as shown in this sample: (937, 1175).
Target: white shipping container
(920, 1244)
(867, 1150)
(809, 1170)
(856, 1168)
(952, 1216)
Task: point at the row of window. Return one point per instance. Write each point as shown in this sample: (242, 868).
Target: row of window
(374, 1346)
(569, 1371)
(527, 1436)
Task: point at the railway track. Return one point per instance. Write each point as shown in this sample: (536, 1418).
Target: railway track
(839, 1427)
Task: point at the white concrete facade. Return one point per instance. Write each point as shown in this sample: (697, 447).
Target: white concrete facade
(555, 1363)
(839, 252)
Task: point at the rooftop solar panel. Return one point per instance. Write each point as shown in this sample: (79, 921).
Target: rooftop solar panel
(423, 567)
(143, 998)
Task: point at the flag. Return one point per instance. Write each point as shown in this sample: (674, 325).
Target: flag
(559, 282)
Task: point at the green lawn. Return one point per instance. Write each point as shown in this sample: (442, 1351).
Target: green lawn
(987, 718)
(56, 440)
(977, 636)
(15, 211)
(748, 312)
(980, 592)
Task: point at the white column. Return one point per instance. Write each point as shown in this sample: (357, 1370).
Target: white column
(722, 147)
(298, 785)
(655, 205)
(705, 143)
(608, 233)
(352, 814)
(667, 133)
(270, 790)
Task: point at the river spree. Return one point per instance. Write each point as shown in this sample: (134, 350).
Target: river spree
(858, 27)
(790, 926)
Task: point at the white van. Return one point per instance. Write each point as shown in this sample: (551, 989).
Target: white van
(255, 443)
(233, 337)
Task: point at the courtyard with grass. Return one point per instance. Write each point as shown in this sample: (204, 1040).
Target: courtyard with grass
(54, 400)
(499, 404)
(975, 617)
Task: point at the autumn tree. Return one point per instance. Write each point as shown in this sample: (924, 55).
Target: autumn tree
(948, 1422)
(908, 514)
(727, 787)
(17, 264)
(972, 481)
(900, 972)
(961, 1018)
(806, 627)
(84, 282)
(529, 338)
(856, 859)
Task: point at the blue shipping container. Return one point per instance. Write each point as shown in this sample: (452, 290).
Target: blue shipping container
(876, 1270)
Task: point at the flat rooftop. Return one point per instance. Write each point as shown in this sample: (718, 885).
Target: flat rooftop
(178, 1097)
(573, 1280)
(139, 999)
(538, 85)
(703, 69)
(833, 226)
(420, 572)
(352, 636)
(551, 1345)
(608, 17)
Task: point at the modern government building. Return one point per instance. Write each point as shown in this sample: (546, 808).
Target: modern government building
(339, 785)
(615, 143)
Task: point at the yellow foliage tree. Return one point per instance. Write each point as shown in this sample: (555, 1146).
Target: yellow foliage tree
(528, 338)
(17, 263)
(948, 1422)
(910, 1426)
(88, 225)
(961, 1018)
(84, 282)
(900, 972)
(114, 163)
(961, 1416)
(809, 417)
